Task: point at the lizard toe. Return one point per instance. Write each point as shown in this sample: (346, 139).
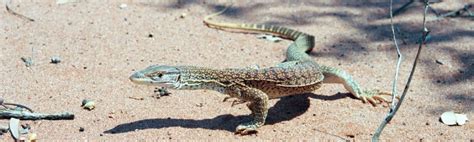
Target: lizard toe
(374, 97)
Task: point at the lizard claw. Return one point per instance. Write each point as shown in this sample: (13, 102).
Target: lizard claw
(374, 97)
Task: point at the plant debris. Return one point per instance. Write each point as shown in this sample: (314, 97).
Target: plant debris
(28, 61)
(15, 128)
(137, 98)
(17, 14)
(26, 113)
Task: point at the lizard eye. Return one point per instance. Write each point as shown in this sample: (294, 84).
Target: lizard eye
(160, 75)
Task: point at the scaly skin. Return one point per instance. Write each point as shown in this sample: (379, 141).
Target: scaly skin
(299, 74)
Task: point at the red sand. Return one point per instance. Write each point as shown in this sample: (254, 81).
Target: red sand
(101, 44)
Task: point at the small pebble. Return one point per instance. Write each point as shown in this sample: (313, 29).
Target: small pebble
(123, 6)
(183, 15)
(88, 104)
(200, 105)
(81, 129)
(32, 137)
(55, 59)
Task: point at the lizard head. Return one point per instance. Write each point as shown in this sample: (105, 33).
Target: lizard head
(159, 75)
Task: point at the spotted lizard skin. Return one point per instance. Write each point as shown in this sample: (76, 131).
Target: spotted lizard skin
(299, 74)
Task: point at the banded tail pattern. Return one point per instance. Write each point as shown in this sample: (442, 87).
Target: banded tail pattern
(297, 50)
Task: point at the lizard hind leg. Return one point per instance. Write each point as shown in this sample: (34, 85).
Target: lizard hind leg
(334, 75)
(259, 107)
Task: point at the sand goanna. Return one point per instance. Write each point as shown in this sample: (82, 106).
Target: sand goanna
(255, 86)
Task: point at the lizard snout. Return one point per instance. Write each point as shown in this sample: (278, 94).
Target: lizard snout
(136, 76)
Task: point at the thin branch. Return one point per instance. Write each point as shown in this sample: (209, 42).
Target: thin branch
(393, 110)
(459, 12)
(24, 115)
(399, 9)
(399, 60)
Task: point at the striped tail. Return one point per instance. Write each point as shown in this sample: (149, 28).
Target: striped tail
(258, 28)
(297, 50)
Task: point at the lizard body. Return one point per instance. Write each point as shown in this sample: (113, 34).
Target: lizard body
(298, 74)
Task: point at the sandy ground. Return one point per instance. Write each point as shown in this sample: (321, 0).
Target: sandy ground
(101, 44)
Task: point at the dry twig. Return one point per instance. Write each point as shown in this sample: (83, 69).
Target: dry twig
(394, 108)
(24, 115)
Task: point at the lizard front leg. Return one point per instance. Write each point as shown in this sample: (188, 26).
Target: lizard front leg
(259, 107)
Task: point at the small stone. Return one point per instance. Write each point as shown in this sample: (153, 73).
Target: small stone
(81, 129)
(199, 105)
(448, 118)
(123, 6)
(88, 104)
(32, 137)
(55, 59)
(183, 15)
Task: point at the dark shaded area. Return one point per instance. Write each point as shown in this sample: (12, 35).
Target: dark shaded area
(463, 74)
(285, 109)
(408, 32)
(466, 100)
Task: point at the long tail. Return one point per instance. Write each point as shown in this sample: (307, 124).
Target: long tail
(257, 28)
(296, 51)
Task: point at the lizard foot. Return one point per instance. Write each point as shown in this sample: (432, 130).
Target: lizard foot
(247, 128)
(374, 97)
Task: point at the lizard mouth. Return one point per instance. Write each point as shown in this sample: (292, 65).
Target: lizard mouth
(140, 78)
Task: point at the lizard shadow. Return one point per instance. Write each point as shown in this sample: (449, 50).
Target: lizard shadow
(285, 109)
